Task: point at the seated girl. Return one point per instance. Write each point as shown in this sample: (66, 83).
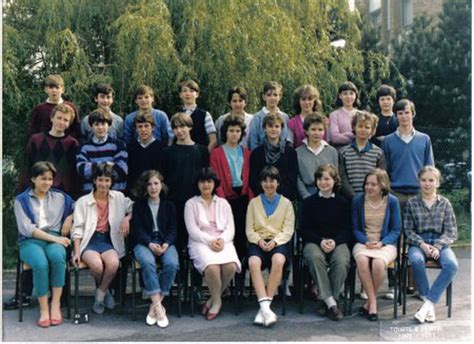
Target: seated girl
(376, 227)
(100, 226)
(270, 227)
(43, 215)
(430, 227)
(153, 237)
(210, 226)
(326, 232)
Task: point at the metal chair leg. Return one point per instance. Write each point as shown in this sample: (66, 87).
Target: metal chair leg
(20, 292)
(134, 290)
(76, 289)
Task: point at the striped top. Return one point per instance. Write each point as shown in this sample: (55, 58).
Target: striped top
(91, 154)
(354, 166)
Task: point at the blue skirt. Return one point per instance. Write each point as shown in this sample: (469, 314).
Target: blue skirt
(100, 242)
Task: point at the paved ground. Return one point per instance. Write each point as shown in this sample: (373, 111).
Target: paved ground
(228, 327)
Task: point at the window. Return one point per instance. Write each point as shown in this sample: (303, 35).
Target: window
(407, 12)
(374, 5)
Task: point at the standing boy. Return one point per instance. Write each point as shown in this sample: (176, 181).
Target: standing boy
(144, 98)
(145, 152)
(204, 131)
(102, 148)
(40, 117)
(386, 97)
(104, 97)
(271, 95)
(406, 151)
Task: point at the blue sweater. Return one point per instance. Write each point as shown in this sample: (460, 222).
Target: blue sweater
(391, 223)
(405, 160)
(161, 130)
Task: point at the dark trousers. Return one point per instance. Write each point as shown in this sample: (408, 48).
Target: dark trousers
(239, 211)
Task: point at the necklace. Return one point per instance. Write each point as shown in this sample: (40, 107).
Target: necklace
(375, 205)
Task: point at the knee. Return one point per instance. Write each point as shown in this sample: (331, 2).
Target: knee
(451, 265)
(57, 257)
(96, 266)
(362, 263)
(171, 266)
(378, 265)
(278, 260)
(40, 266)
(255, 263)
(416, 259)
(112, 264)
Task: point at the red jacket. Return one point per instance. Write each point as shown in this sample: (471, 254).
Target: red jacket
(221, 167)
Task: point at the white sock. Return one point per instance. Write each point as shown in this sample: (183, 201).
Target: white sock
(100, 295)
(265, 303)
(427, 306)
(330, 302)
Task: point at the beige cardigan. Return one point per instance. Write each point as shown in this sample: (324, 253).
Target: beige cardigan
(279, 227)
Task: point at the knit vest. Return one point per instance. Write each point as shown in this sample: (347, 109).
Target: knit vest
(198, 133)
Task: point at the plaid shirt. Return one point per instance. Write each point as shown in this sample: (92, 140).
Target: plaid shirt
(435, 226)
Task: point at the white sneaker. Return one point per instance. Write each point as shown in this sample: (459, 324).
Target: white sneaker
(98, 306)
(259, 319)
(421, 315)
(363, 295)
(109, 301)
(389, 295)
(161, 318)
(430, 317)
(270, 319)
(151, 317)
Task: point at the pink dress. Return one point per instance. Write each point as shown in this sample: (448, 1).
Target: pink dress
(206, 223)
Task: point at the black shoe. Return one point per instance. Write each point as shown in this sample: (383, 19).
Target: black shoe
(321, 308)
(363, 312)
(335, 313)
(13, 303)
(410, 290)
(373, 317)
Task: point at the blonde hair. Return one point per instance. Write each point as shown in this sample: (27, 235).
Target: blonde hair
(365, 116)
(432, 169)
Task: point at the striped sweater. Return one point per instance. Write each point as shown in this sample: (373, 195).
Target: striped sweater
(354, 166)
(91, 154)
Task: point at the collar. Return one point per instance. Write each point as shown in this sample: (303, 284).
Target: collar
(317, 150)
(333, 195)
(61, 100)
(146, 144)
(412, 133)
(92, 201)
(266, 111)
(214, 199)
(420, 198)
(31, 193)
(190, 109)
(367, 147)
(96, 140)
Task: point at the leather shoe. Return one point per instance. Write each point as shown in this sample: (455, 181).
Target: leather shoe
(211, 316)
(335, 313)
(44, 323)
(373, 317)
(56, 322)
(363, 312)
(205, 309)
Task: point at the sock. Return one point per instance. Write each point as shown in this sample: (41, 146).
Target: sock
(427, 306)
(100, 295)
(265, 303)
(330, 302)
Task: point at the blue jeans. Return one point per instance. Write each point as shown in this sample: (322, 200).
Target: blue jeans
(48, 262)
(449, 267)
(157, 283)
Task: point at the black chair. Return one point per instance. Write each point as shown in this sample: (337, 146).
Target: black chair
(136, 267)
(429, 264)
(21, 267)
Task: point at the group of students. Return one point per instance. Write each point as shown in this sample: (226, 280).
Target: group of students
(223, 196)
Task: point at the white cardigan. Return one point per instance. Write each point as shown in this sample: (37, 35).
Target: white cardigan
(85, 219)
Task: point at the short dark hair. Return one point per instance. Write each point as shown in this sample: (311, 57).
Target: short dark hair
(306, 91)
(181, 119)
(189, 83)
(207, 173)
(232, 120)
(144, 117)
(315, 117)
(348, 86)
(333, 173)
(141, 186)
(269, 172)
(41, 167)
(104, 89)
(100, 116)
(386, 90)
(103, 169)
(271, 119)
(402, 104)
(242, 92)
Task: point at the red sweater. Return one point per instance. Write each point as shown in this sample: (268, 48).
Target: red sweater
(221, 167)
(40, 120)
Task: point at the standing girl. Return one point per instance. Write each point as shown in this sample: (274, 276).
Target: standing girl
(340, 128)
(305, 102)
(231, 165)
(430, 227)
(154, 238)
(43, 215)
